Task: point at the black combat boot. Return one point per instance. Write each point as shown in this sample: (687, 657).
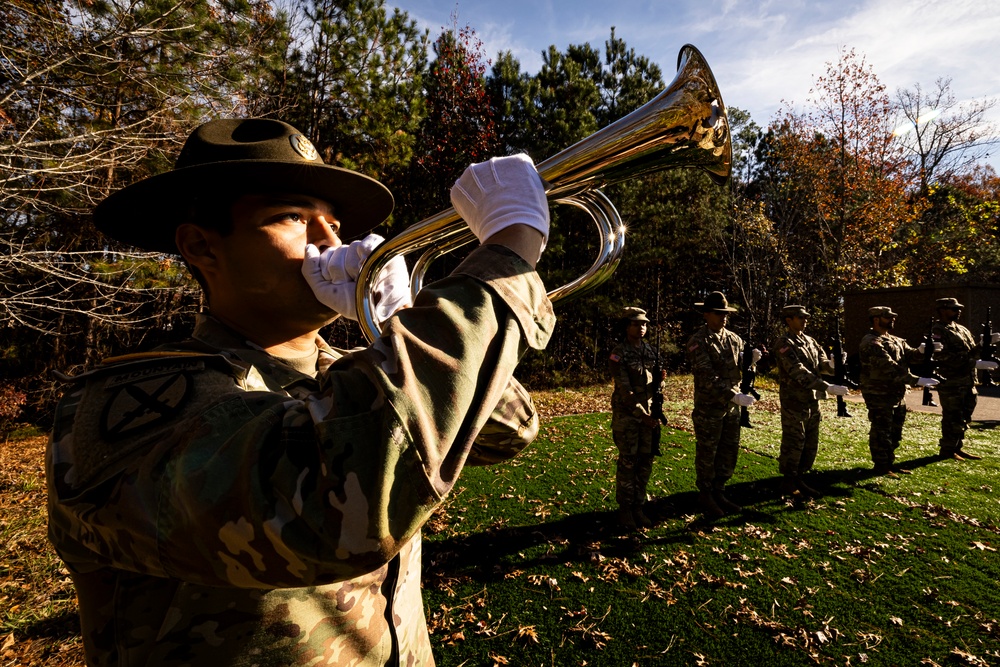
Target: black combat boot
(708, 505)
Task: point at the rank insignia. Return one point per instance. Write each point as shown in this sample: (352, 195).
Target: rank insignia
(138, 405)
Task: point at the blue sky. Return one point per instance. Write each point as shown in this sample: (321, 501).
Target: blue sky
(764, 54)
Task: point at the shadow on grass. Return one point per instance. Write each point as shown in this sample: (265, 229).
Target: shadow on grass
(62, 626)
(579, 538)
(984, 424)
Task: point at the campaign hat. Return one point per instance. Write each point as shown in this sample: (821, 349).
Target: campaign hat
(233, 156)
(949, 302)
(715, 303)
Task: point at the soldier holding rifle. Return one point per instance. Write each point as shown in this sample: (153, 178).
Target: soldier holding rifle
(957, 362)
(801, 364)
(251, 495)
(885, 375)
(714, 355)
(634, 425)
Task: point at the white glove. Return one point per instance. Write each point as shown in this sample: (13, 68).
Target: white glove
(928, 382)
(837, 390)
(994, 338)
(831, 365)
(756, 355)
(923, 346)
(504, 191)
(333, 275)
(984, 365)
(744, 400)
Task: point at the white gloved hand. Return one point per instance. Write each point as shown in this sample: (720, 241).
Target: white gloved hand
(333, 275)
(984, 365)
(756, 355)
(831, 365)
(928, 382)
(744, 400)
(837, 390)
(994, 338)
(501, 192)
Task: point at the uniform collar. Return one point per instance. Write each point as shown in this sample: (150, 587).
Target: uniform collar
(214, 333)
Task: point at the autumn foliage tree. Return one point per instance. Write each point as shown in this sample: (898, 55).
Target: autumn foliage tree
(833, 181)
(459, 128)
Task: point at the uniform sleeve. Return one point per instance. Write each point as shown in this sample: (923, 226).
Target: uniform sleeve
(795, 368)
(259, 490)
(710, 378)
(883, 368)
(626, 395)
(958, 355)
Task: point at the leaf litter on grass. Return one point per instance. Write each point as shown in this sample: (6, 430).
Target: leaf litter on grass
(827, 572)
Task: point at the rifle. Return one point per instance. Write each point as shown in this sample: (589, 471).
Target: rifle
(840, 373)
(656, 404)
(928, 368)
(656, 401)
(749, 372)
(988, 350)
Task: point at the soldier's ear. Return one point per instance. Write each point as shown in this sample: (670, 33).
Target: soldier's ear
(196, 245)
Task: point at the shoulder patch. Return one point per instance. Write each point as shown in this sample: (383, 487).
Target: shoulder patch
(784, 349)
(146, 396)
(614, 357)
(693, 347)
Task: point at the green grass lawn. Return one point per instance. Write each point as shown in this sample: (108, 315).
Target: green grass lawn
(524, 565)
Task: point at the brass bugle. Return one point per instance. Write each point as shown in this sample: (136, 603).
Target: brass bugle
(684, 126)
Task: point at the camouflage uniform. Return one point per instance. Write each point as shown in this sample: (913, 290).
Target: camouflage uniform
(632, 370)
(715, 362)
(956, 364)
(885, 375)
(316, 483)
(800, 361)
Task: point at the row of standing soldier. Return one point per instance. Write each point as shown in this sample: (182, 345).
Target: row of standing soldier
(724, 367)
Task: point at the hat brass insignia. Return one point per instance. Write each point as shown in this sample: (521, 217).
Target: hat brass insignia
(304, 147)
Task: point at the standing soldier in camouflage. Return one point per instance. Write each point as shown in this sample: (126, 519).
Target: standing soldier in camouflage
(252, 496)
(885, 375)
(634, 427)
(801, 364)
(957, 363)
(714, 355)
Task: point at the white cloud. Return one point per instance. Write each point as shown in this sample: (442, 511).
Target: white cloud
(762, 52)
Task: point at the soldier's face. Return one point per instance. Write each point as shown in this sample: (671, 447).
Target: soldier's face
(636, 330)
(951, 314)
(716, 321)
(887, 323)
(260, 263)
(797, 323)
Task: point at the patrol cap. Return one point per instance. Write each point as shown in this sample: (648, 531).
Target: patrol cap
(949, 302)
(635, 314)
(792, 310)
(881, 311)
(715, 303)
(228, 157)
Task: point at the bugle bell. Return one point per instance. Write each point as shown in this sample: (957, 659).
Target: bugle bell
(684, 126)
